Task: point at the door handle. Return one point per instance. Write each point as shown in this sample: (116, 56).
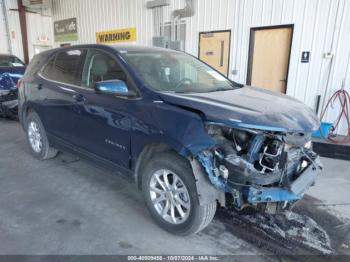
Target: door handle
(79, 98)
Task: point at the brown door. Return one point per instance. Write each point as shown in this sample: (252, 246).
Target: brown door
(214, 49)
(269, 58)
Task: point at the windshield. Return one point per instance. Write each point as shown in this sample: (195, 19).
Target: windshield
(10, 61)
(168, 71)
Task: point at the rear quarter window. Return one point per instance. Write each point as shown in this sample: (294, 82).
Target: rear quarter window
(34, 65)
(66, 67)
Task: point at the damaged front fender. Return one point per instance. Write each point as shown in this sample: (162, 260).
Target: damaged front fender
(207, 193)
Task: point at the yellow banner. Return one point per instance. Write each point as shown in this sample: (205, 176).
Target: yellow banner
(116, 36)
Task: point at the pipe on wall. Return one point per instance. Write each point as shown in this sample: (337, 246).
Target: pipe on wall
(178, 14)
(7, 26)
(187, 11)
(23, 24)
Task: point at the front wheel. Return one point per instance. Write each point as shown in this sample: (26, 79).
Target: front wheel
(170, 193)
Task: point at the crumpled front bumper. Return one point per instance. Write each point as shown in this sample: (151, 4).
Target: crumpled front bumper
(295, 191)
(8, 99)
(8, 104)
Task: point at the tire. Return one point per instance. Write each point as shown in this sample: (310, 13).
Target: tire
(44, 151)
(197, 217)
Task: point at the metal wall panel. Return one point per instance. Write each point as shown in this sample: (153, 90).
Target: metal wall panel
(320, 26)
(95, 16)
(4, 37)
(40, 32)
(14, 28)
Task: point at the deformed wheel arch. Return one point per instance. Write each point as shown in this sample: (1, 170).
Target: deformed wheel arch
(207, 193)
(147, 153)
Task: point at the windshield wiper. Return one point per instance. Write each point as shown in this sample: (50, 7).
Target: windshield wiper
(184, 91)
(222, 89)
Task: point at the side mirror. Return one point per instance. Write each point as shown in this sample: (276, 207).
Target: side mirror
(113, 87)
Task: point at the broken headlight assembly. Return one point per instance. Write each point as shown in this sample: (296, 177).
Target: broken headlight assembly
(257, 167)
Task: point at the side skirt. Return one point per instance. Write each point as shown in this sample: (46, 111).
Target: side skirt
(62, 145)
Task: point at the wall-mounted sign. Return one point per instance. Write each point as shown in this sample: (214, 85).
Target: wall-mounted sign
(305, 57)
(66, 30)
(116, 36)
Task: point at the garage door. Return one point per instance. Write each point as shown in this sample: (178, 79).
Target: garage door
(269, 57)
(214, 49)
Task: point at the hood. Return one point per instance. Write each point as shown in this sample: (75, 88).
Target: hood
(9, 76)
(250, 107)
(7, 82)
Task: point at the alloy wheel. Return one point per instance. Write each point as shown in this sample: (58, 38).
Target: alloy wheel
(170, 196)
(34, 136)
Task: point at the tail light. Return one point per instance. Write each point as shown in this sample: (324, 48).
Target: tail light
(18, 83)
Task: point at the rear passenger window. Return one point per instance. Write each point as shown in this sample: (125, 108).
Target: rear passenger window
(66, 67)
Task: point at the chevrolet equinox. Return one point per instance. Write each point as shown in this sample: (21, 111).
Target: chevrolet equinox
(189, 137)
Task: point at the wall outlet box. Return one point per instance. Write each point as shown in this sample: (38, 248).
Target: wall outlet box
(159, 41)
(327, 55)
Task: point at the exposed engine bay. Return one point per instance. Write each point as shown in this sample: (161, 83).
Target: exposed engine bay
(267, 170)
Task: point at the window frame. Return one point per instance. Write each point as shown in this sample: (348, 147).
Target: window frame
(53, 56)
(112, 55)
(88, 60)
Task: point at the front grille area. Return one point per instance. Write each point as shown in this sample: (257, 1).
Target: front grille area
(12, 95)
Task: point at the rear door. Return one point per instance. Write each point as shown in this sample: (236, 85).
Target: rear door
(56, 92)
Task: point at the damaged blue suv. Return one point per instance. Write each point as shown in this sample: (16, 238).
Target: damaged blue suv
(189, 137)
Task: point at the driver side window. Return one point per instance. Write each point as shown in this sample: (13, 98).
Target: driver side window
(100, 66)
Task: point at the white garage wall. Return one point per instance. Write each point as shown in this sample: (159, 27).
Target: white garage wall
(95, 16)
(14, 28)
(40, 32)
(320, 26)
(39, 27)
(4, 46)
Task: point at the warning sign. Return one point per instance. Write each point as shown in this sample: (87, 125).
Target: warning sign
(116, 36)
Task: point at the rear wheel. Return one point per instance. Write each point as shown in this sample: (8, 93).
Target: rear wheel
(37, 139)
(170, 193)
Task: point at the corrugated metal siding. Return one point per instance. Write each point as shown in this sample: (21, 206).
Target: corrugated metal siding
(40, 32)
(4, 46)
(14, 28)
(38, 26)
(95, 16)
(320, 26)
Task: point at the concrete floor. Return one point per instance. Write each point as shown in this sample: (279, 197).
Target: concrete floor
(64, 206)
(333, 187)
(55, 207)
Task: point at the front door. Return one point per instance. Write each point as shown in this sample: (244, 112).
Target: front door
(103, 121)
(214, 49)
(269, 57)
